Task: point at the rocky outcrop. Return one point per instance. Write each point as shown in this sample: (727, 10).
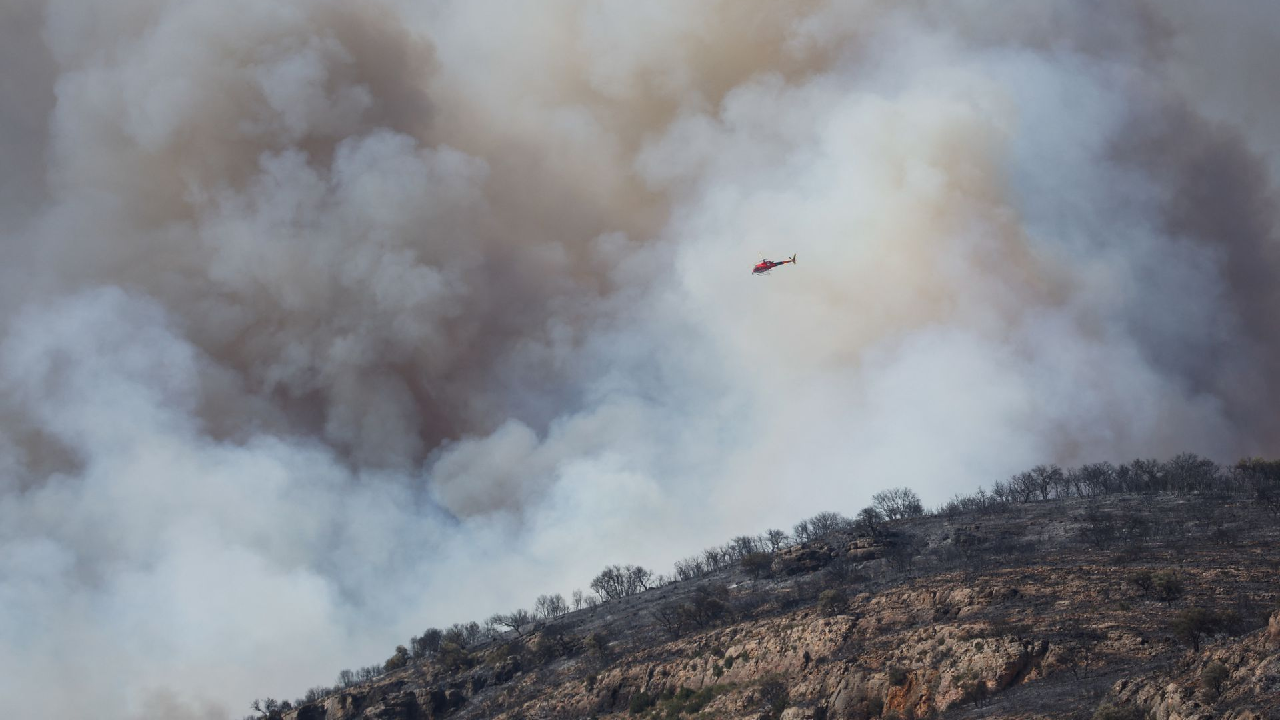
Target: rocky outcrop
(814, 556)
(410, 694)
(1249, 689)
(1044, 637)
(804, 559)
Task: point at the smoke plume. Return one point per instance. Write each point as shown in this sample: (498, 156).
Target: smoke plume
(322, 323)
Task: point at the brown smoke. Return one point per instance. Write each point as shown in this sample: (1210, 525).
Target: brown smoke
(325, 322)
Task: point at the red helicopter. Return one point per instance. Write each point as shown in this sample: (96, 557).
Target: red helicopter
(765, 266)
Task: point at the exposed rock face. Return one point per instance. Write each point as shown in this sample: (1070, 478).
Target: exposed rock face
(405, 695)
(802, 560)
(1250, 690)
(1049, 635)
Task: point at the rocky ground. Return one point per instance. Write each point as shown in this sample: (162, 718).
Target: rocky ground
(1155, 606)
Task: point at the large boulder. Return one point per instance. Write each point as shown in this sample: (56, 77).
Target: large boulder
(801, 560)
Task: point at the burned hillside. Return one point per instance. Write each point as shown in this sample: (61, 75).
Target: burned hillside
(1096, 592)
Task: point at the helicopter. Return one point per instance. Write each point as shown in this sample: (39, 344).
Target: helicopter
(765, 265)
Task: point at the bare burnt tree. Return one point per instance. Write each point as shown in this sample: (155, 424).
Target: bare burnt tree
(427, 643)
(714, 559)
(803, 533)
(1045, 479)
(979, 502)
(550, 607)
(897, 503)
(742, 546)
(638, 579)
(671, 617)
(1023, 487)
(515, 620)
(1261, 478)
(1002, 492)
(825, 523)
(463, 634)
(1189, 472)
(316, 693)
(690, 568)
(266, 706)
(757, 563)
(1146, 476)
(869, 521)
(618, 581)
(1094, 480)
(610, 583)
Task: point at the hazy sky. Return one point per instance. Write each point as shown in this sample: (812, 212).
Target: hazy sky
(323, 323)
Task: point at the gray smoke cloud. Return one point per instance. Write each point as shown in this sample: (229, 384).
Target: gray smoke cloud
(323, 324)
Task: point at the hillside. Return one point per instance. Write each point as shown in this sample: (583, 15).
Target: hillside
(1124, 605)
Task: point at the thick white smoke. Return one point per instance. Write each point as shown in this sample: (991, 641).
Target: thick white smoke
(323, 324)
